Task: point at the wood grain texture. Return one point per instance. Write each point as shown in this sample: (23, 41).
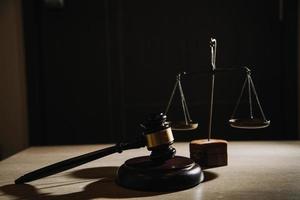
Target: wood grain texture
(257, 170)
(209, 153)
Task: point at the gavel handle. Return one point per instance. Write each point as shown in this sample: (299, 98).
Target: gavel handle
(76, 161)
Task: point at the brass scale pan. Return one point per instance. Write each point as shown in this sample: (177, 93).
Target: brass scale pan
(246, 123)
(255, 123)
(241, 123)
(252, 122)
(187, 124)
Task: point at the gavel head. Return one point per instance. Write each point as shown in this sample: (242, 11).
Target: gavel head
(159, 137)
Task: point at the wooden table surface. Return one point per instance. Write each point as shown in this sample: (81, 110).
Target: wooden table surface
(256, 170)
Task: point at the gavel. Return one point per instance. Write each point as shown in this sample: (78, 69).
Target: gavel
(157, 136)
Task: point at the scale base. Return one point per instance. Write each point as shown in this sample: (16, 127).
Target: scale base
(177, 173)
(209, 153)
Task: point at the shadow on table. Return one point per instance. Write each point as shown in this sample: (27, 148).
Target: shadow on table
(208, 176)
(104, 187)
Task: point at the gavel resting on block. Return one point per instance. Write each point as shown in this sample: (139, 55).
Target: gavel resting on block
(161, 171)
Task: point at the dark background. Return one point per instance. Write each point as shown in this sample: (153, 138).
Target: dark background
(97, 68)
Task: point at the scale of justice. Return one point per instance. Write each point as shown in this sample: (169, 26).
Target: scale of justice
(162, 170)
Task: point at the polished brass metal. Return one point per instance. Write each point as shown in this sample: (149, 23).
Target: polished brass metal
(159, 138)
(187, 124)
(253, 123)
(183, 126)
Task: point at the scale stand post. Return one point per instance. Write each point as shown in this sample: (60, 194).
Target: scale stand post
(209, 152)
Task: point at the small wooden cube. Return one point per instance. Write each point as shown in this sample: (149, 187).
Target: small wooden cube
(209, 153)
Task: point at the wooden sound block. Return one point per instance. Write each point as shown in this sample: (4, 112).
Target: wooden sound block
(141, 173)
(209, 153)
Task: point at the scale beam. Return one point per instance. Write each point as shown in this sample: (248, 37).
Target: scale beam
(247, 123)
(216, 71)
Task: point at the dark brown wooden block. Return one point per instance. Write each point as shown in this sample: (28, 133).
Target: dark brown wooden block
(177, 173)
(209, 153)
